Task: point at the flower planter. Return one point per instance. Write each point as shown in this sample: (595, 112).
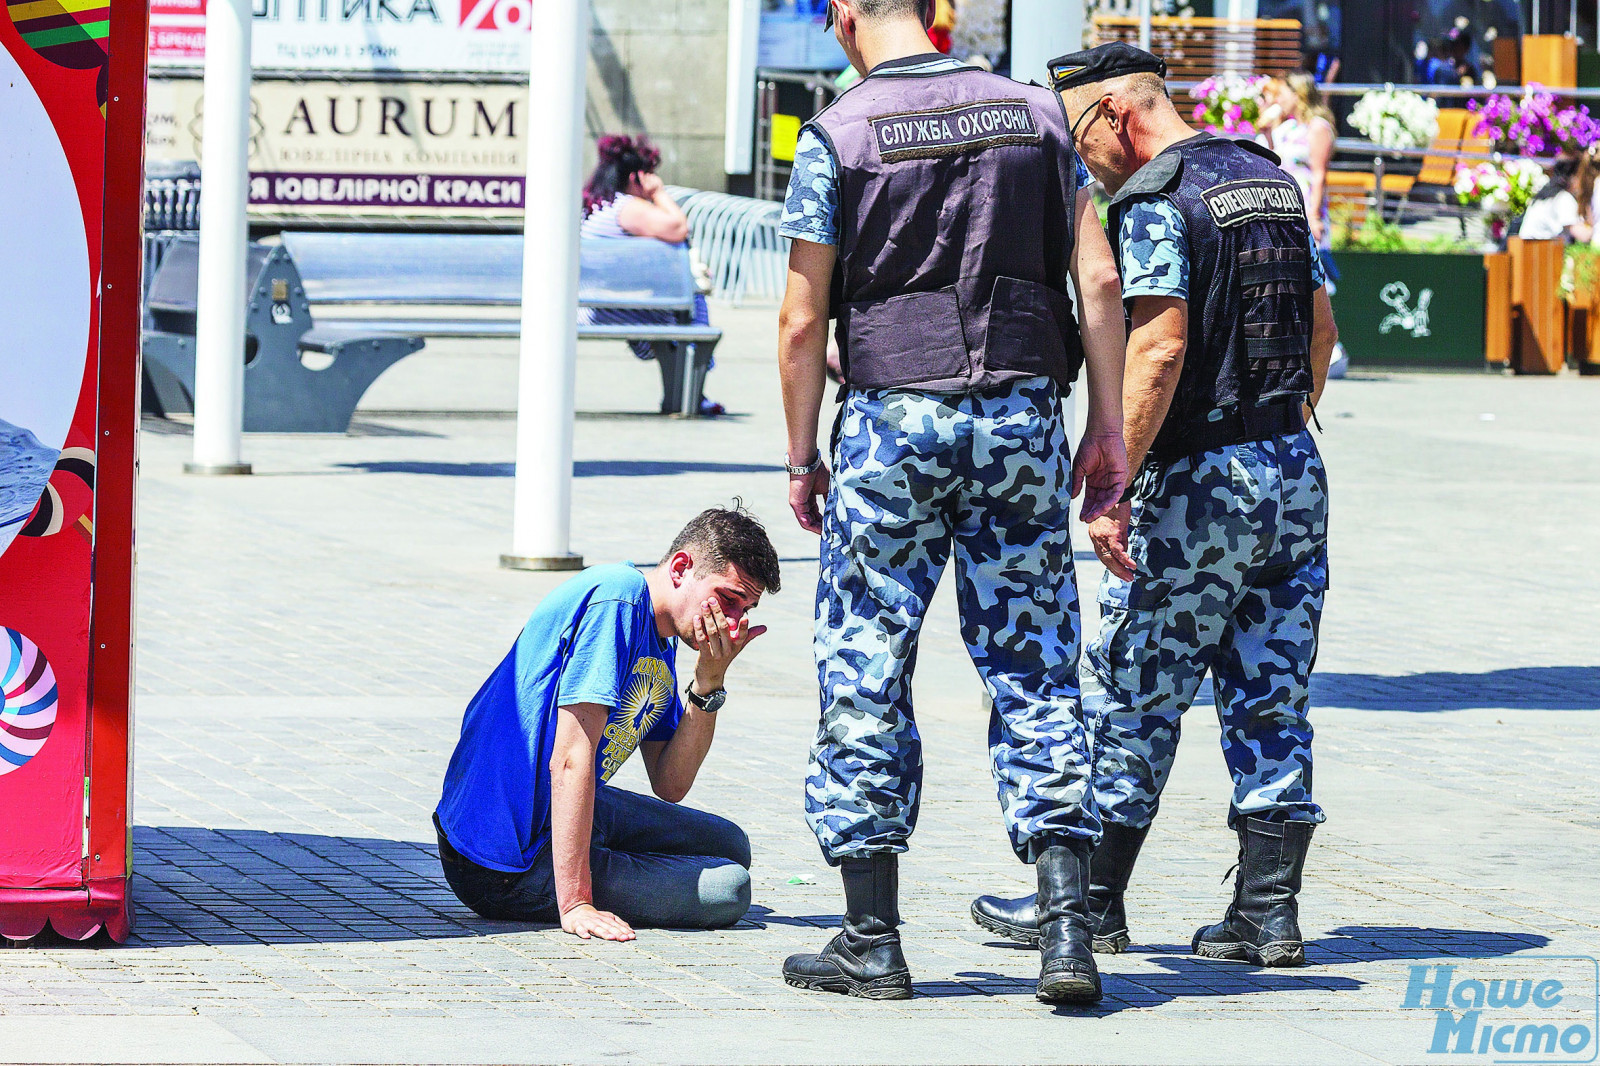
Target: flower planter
(1407, 309)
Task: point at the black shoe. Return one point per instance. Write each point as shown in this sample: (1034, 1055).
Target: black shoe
(1109, 870)
(864, 959)
(1263, 921)
(1067, 973)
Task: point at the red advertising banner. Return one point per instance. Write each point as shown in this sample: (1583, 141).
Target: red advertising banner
(71, 105)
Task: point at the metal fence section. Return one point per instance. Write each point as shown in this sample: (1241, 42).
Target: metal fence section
(171, 208)
(772, 174)
(737, 239)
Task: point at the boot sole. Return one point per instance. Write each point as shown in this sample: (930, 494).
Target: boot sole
(1080, 990)
(1021, 934)
(1275, 953)
(1113, 944)
(896, 987)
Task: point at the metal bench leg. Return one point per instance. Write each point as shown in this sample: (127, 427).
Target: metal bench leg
(695, 367)
(670, 358)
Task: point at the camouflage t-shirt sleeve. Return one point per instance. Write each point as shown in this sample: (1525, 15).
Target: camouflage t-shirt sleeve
(811, 206)
(1155, 250)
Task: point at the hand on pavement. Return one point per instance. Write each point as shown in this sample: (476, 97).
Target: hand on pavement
(585, 921)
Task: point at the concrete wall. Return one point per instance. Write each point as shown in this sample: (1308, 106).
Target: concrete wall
(659, 67)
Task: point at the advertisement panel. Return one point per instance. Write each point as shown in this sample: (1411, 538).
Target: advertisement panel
(390, 148)
(71, 87)
(450, 36)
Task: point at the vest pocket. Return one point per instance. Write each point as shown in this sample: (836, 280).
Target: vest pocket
(911, 339)
(1275, 292)
(1029, 324)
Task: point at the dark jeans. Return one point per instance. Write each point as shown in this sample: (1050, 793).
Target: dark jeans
(652, 863)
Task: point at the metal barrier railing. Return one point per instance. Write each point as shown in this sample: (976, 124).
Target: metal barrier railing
(772, 175)
(738, 240)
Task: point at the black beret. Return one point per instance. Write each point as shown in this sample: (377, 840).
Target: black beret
(1102, 63)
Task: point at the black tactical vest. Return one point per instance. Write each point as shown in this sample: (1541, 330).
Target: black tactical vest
(1249, 279)
(956, 198)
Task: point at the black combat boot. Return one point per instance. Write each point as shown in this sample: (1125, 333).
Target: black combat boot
(1262, 925)
(1067, 972)
(865, 958)
(1109, 870)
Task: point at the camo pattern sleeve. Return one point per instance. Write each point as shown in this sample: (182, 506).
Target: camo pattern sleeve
(811, 206)
(1155, 250)
(1319, 272)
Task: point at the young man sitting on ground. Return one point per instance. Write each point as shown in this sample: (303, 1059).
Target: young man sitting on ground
(529, 829)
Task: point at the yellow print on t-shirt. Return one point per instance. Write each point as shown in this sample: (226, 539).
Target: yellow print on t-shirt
(646, 698)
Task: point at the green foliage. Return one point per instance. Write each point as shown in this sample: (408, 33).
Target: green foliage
(1376, 235)
(1580, 273)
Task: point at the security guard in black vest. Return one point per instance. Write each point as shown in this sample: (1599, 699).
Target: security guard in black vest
(1217, 558)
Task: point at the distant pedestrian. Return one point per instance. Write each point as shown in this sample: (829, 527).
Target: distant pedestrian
(625, 197)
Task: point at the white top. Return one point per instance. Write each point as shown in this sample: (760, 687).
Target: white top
(1547, 219)
(1291, 139)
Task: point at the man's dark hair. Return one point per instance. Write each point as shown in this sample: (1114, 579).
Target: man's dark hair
(722, 535)
(877, 9)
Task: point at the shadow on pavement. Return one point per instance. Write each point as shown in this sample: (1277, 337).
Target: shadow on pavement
(582, 468)
(1189, 977)
(245, 886)
(1555, 688)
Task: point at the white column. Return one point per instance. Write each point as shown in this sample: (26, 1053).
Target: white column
(1041, 30)
(1144, 24)
(541, 520)
(224, 175)
(1241, 10)
(739, 122)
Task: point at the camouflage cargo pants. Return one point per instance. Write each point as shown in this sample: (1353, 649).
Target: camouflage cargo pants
(918, 477)
(1231, 547)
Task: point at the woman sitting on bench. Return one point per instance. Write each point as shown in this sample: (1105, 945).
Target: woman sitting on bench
(626, 198)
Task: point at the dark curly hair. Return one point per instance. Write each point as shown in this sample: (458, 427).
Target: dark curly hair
(726, 535)
(622, 158)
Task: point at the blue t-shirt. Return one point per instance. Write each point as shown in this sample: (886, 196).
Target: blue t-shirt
(811, 205)
(1155, 251)
(592, 640)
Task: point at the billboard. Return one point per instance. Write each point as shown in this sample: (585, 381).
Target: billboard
(430, 148)
(71, 102)
(448, 36)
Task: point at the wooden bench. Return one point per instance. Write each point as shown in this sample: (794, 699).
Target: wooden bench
(1435, 183)
(1197, 48)
(433, 275)
(299, 376)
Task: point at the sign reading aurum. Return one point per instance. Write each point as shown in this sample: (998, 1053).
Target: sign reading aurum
(372, 147)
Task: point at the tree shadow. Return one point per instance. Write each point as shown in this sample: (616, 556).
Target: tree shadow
(582, 468)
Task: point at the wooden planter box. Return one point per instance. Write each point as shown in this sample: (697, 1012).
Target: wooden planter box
(1404, 309)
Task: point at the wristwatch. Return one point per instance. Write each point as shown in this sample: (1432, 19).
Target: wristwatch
(711, 702)
(802, 471)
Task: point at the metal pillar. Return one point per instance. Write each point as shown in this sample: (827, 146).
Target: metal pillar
(225, 166)
(541, 522)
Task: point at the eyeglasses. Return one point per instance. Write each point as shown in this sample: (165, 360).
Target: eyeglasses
(1079, 124)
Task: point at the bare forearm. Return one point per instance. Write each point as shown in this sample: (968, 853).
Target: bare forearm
(1324, 335)
(1156, 347)
(681, 757)
(571, 827)
(1104, 329)
(802, 364)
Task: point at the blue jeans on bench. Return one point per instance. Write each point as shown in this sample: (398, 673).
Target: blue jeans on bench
(652, 863)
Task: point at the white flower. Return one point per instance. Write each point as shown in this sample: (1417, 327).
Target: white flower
(1396, 118)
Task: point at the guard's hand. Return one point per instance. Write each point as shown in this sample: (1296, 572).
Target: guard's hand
(804, 491)
(1109, 533)
(1101, 468)
(585, 921)
(719, 643)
